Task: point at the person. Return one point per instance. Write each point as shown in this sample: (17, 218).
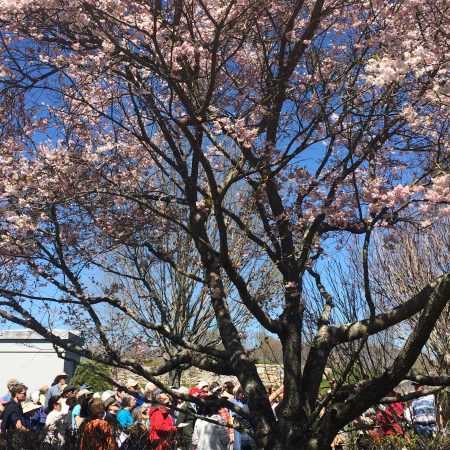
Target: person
(185, 416)
(112, 407)
(201, 393)
(162, 424)
(120, 394)
(29, 409)
(97, 433)
(227, 391)
(68, 397)
(107, 395)
(56, 388)
(204, 386)
(9, 384)
(55, 425)
(13, 418)
(77, 418)
(37, 419)
(69, 401)
(214, 388)
(149, 392)
(138, 438)
(423, 413)
(124, 416)
(390, 417)
(7, 397)
(134, 388)
(14, 423)
(210, 436)
(42, 394)
(225, 413)
(275, 399)
(2, 407)
(242, 441)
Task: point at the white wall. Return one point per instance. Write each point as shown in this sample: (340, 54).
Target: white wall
(29, 358)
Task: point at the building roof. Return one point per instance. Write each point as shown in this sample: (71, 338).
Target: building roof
(29, 335)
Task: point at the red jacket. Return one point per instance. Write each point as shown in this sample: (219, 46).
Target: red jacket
(162, 429)
(390, 419)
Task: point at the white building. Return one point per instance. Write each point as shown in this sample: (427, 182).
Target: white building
(30, 358)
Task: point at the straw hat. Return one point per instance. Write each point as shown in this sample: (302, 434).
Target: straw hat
(29, 406)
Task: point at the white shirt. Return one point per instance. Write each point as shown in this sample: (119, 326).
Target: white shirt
(210, 436)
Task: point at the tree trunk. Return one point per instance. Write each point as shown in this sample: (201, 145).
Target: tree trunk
(304, 441)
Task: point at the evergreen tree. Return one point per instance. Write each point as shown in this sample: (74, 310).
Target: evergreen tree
(92, 373)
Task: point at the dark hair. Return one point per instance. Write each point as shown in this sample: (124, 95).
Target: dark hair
(229, 385)
(84, 406)
(126, 401)
(52, 402)
(58, 379)
(71, 402)
(17, 389)
(213, 385)
(209, 410)
(96, 408)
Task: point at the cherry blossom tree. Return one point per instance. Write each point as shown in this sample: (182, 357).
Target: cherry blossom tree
(290, 125)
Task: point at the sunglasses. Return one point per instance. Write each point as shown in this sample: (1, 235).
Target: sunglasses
(144, 413)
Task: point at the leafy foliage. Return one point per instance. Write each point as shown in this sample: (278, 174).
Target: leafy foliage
(92, 373)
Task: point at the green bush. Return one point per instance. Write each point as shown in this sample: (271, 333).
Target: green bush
(93, 373)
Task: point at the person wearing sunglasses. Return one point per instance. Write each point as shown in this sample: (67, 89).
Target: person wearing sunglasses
(13, 418)
(138, 432)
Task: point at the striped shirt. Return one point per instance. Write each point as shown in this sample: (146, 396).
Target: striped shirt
(423, 410)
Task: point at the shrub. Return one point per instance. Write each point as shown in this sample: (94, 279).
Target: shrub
(93, 373)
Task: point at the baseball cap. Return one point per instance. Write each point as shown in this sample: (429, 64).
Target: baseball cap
(87, 387)
(131, 383)
(110, 401)
(182, 390)
(83, 392)
(12, 382)
(195, 391)
(107, 394)
(69, 388)
(150, 386)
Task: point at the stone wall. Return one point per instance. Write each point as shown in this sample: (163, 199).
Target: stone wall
(270, 375)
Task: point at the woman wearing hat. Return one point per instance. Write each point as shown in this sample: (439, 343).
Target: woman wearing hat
(38, 416)
(57, 387)
(77, 417)
(29, 409)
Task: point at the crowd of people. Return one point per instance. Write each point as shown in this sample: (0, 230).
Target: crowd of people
(68, 417)
(415, 419)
